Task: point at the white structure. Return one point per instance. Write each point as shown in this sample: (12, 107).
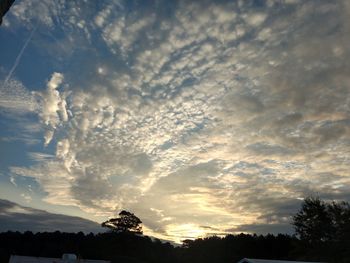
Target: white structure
(252, 260)
(66, 258)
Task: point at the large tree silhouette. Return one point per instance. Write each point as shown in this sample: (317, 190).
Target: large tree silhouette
(324, 229)
(319, 221)
(126, 222)
(313, 222)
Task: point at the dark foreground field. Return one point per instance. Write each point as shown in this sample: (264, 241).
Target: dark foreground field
(126, 247)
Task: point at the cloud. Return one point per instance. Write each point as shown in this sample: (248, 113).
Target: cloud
(53, 110)
(15, 217)
(52, 102)
(268, 149)
(221, 114)
(18, 105)
(25, 12)
(15, 98)
(255, 19)
(40, 157)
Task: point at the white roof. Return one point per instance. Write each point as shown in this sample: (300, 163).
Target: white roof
(23, 259)
(252, 260)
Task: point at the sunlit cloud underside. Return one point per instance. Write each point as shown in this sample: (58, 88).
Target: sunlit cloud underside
(202, 118)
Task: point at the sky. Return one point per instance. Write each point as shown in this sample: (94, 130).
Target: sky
(201, 117)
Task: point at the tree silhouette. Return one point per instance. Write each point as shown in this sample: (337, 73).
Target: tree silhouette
(313, 223)
(324, 230)
(126, 222)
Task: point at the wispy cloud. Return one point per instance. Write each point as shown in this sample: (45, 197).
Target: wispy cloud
(19, 56)
(15, 98)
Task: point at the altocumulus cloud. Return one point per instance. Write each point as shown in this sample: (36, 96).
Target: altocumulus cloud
(202, 114)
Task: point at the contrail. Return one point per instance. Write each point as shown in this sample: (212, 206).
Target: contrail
(18, 58)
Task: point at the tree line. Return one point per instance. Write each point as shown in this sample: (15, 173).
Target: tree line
(322, 233)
